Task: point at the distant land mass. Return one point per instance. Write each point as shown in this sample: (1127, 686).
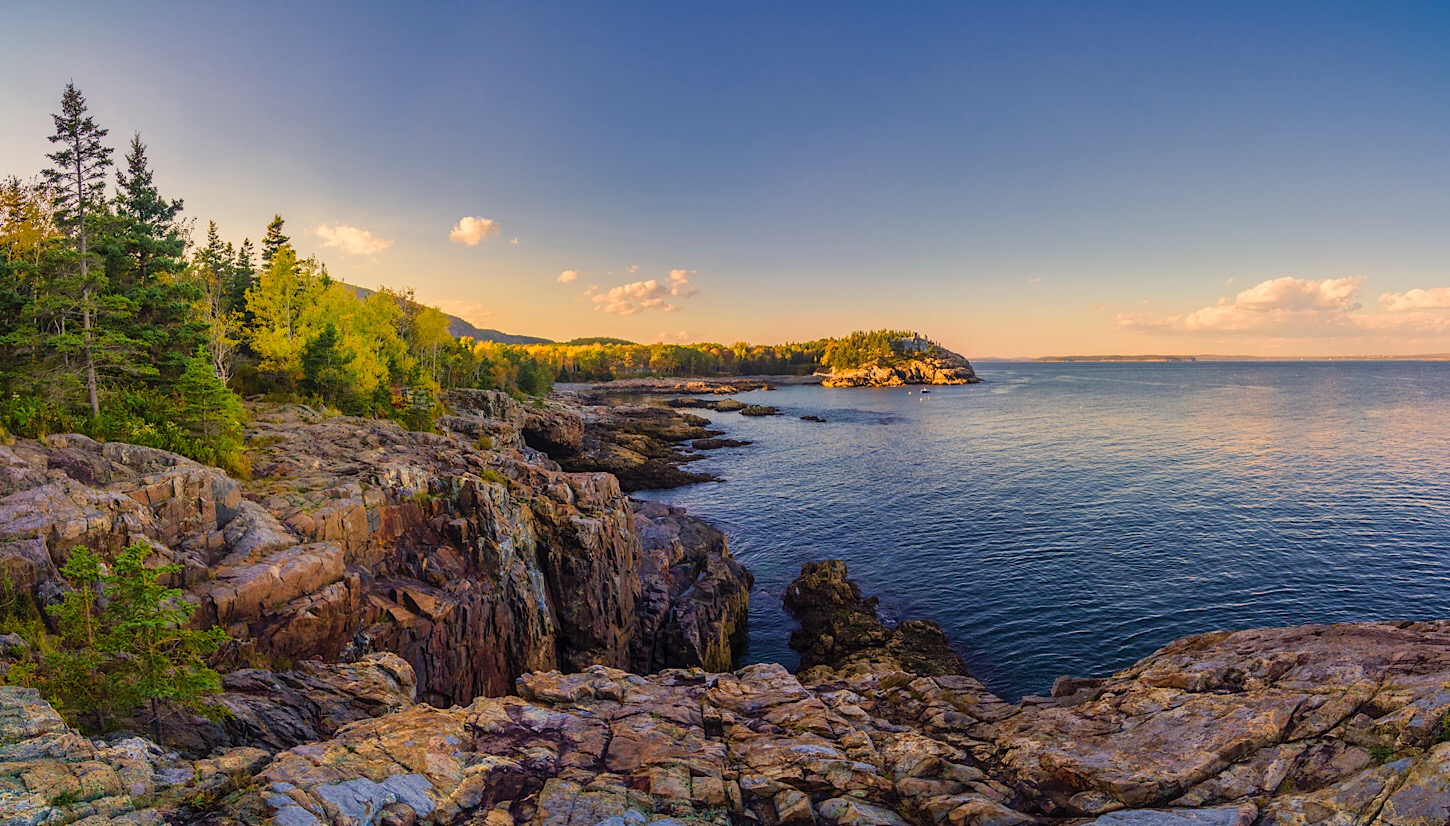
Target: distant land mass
(1209, 357)
(1118, 358)
(458, 328)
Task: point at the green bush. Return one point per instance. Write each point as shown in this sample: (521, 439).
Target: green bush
(125, 644)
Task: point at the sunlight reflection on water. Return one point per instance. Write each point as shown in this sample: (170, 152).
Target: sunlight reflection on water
(1098, 511)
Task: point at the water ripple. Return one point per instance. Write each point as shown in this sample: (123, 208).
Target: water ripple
(1097, 512)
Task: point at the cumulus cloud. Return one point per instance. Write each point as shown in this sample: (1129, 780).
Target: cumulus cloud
(470, 230)
(1272, 305)
(567, 276)
(1437, 298)
(1304, 308)
(638, 296)
(632, 269)
(351, 240)
(514, 241)
(682, 337)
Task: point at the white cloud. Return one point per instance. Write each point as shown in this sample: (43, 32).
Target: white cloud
(1034, 280)
(567, 276)
(682, 337)
(632, 269)
(1303, 308)
(1229, 282)
(351, 240)
(514, 241)
(1301, 295)
(1277, 305)
(472, 230)
(1437, 298)
(638, 296)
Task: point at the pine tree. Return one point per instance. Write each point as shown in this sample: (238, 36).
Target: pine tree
(244, 275)
(76, 677)
(273, 240)
(152, 235)
(78, 180)
(209, 410)
(324, 366)
(164, 660)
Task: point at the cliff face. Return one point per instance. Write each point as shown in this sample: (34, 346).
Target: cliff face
(938, 367)
(467, 553)
(1340, 725)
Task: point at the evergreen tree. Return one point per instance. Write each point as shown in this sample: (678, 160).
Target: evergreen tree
(152, 235)
(75, 677)
(78, 181)
(273, 240)
(325, 367)
(209, 410)
(212, 270)
(163, 661)
(244, 275)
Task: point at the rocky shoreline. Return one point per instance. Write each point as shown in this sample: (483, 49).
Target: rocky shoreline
(459, 628)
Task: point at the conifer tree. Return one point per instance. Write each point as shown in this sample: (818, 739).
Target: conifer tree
(209, 410)
(164, 660)
(152, 236)
(78, 181)
(273, 240)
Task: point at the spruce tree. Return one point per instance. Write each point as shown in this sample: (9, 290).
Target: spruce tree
(210, 412)
(78, 181)
(273, 240)
(152, 235)
(163, 659)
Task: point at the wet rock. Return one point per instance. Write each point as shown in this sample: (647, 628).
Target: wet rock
(759, 410)
(841, 630)
(716, 444)
(696, 597)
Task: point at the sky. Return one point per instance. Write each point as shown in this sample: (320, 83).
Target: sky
(1013, 179)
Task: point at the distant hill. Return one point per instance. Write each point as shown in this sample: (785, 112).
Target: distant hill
(459, 328)
(589, 340)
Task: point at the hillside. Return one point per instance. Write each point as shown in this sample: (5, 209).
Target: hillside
(459, 328)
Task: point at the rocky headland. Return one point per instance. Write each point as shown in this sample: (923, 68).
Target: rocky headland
(452, 628)
(937, 366)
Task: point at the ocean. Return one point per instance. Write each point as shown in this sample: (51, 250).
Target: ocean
(1070, 519)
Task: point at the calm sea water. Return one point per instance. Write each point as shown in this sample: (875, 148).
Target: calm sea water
(1072, 518)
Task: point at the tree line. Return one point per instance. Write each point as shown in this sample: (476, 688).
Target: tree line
(605, 359)
(116, 322)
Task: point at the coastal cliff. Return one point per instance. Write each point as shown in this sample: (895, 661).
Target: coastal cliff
(936, 366)
(470, 555)
(451, 629)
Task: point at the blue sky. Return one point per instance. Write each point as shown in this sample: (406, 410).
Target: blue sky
(1013, 178)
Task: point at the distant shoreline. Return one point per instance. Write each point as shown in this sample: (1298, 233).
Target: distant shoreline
(1169, 359)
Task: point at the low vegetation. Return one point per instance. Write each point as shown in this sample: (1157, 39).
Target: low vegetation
(122, 643)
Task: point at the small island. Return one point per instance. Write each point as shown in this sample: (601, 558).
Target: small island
(891, 358)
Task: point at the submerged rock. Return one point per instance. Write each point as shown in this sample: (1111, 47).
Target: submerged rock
(716, 444)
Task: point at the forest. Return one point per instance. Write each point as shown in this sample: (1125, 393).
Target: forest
(120, 320)
(117, 323)
(605, 359)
